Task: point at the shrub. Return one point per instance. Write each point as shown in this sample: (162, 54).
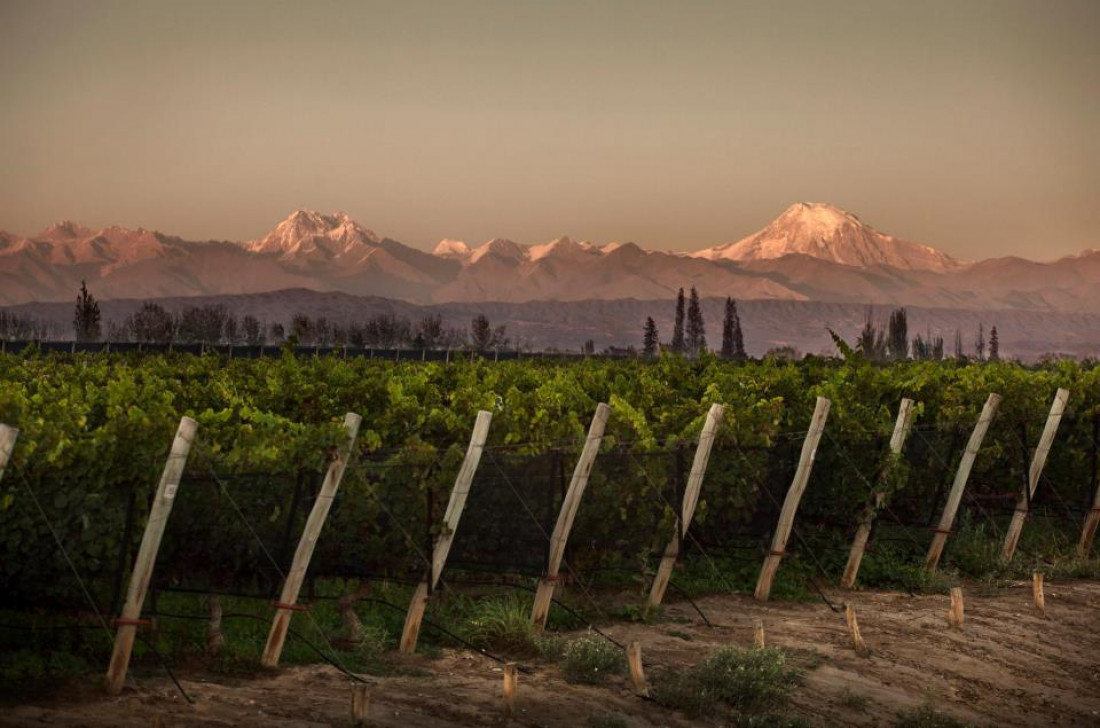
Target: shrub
(590, 660)
(748, 681)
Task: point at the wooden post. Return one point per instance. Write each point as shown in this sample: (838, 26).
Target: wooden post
(790, 504)
(360, 702)
(142, 574)
(1092, 520)
(853, 629)
(955, 614)
(863, 532)
(461, 490)
(8, 435)
(947, 518)
(288, 599)
(637, 672)
(540, 610)
(509, 689)
(691, 499)
(1038, 460)
(758, 634)
(1037, 592)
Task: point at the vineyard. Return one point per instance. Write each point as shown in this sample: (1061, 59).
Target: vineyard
(94, 431)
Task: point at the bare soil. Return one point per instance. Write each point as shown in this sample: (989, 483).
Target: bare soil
(1008, 665)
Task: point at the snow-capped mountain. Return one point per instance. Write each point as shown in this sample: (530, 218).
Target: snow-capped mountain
(822, 231)
(308, 236)
(812, 252)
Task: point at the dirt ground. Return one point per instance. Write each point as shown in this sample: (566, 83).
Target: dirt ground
(1007, 666)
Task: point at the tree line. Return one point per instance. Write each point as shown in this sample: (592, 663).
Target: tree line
(215, 324)
(689, 331)
(892, 343)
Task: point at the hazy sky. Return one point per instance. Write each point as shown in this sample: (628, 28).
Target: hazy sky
(972, 126)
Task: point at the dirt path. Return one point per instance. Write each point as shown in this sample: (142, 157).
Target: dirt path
(1007, 666)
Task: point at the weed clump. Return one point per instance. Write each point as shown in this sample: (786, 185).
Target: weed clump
(750, 682)
(591, 660)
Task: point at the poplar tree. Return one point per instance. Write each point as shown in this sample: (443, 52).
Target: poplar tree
(733, 343)
(897, 336)
(86, 320)
(696, 330)
(678, 325)
(649, 337)
(994, 345)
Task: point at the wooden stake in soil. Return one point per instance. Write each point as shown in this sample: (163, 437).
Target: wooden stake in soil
(142, 574)
(1092, 520)
(758, 633)
(637, 672)
(859, 543)
(853, 628)
(461, 490)
(790, 504)
(7, 446)
(955, 614)
(509, 691)
(1037, 592)
(288, 599)
(947, 518)
(540, 610)
(360, 702)
(1038, 460)
(691, 498)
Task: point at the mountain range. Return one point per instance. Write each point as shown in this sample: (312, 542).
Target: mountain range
(811, 252)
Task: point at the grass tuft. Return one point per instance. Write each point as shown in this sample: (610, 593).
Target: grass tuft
(591, 660)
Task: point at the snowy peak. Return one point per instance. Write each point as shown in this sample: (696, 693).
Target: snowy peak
(64, 230)
(512, 252)
(451, 249)
(307, 235)
(826, 232)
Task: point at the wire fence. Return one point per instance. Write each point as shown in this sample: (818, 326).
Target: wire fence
(237, 532)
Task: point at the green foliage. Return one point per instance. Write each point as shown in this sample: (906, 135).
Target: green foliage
(746, 681)
(96, 428)
(591, 660)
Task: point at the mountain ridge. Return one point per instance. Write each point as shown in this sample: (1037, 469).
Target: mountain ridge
(812, 251)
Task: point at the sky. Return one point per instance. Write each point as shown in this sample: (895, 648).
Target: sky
(969, 126)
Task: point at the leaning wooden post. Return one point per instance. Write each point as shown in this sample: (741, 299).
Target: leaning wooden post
(142, 574)
(540, 610)
(790, 504)
(8, 435)
(859, 543)
(947, 518)
(461, 490)
(288, 599)
(858, 644)
(1092, 520)
(691, 498)
(1038, 460)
